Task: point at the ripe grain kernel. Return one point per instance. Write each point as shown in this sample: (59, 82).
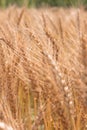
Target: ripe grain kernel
(49, 57)
(63, 81)
(62, 102)
(60, 74)
(86, 126)
(66, 88)
(53, 62)
(70, 102)
(56, 68)
(69, 95)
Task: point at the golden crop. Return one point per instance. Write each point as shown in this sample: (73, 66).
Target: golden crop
(43, 69)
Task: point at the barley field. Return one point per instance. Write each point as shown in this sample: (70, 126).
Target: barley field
(43, 69)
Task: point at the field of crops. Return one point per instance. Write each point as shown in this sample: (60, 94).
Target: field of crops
(43, 69)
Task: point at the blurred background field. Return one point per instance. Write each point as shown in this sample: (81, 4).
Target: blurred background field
(42, 3)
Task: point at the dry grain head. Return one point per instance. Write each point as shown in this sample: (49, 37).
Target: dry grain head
(44, 50)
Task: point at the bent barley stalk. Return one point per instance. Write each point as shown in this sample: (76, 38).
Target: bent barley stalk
(43, 69)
